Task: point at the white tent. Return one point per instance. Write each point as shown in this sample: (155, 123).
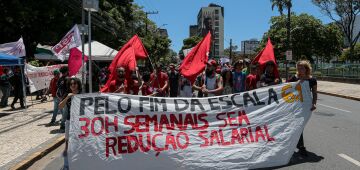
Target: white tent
(99, 52)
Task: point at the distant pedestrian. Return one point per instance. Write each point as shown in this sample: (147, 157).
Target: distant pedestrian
(53, 88)
(74, 87)
(17, 83)
(173, 81)
(303, 74)
(61, 92)
(5, 87)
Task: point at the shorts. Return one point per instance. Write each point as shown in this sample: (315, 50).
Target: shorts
(67, 128)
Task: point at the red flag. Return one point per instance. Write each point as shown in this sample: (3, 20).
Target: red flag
(195, 62)
(265, 55)
(75, 61)
(126, 57)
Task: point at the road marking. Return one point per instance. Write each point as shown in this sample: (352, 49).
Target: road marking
(334, 108)
(350, 159)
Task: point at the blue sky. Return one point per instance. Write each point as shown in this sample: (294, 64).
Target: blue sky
(244, 19)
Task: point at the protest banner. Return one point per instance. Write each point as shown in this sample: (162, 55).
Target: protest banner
(40, 77)
(248, 130)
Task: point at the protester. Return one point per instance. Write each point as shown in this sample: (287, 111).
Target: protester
(74, 87)
(17, 83)
(185, 89)
(246, 69)
(252, 79)
(173, 81)
(303, 74)
(120, 84)
(134, 83)
(159, 81)
(212, 82)
(238, 77)
(146, 88)
(53, 88)
(61, 92)
(198, 84)
(228, 81)
(5, 87)
(269, 78)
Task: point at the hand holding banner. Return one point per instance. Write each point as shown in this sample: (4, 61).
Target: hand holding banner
(254, 129)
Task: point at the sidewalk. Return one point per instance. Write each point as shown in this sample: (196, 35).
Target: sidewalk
(345, 90)
(25, 132)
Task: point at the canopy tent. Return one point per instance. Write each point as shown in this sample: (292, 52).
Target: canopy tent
(10, 60)
(99, 52)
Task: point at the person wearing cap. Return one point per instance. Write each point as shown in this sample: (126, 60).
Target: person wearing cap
(159, 81)
(52, 89)
(268, 78)
(239, 77)
(212, 82)
(173, 81)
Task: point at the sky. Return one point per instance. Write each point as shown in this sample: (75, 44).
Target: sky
(243, 19)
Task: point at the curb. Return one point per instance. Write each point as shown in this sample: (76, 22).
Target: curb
(38, 155)
(340, 95)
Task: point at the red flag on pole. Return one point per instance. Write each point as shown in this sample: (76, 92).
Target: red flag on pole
(195, 62)
(75, 61)
(126, 57)
(265, 55)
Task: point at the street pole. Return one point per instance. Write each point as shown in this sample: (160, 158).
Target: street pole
(244, 48)
(288, 40)
(90, 59)
(230, 49)
(83, 83)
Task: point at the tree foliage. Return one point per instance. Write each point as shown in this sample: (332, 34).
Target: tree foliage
(281, 4)
(356, 55)
(343, 13)
(47, 21)
(309, 37)
(189, 43)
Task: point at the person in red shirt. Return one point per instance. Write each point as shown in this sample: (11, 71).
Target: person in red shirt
(119, 85)
(53, 88)
(134, 83)
(252, 79)
(159, 81)
(146, 89)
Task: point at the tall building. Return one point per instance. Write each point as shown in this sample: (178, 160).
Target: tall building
(211, 19)
(193, 30)
(249, 46)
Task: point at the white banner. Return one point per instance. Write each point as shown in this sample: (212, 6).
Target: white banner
(254, 129)
(70, 40)
(16, 48)
(40, 77)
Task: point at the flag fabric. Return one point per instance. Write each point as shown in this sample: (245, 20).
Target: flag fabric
(126, 57)
(265, 55)
(70, 40)
(16, 48)
(195, 61)
(75, 61)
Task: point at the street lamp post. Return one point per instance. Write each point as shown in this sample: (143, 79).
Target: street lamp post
(90, 5)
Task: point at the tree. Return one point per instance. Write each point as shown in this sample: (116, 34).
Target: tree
(309, 37)
(346, 11)
(189, 43)
(356, 55)
(281, 4)
(227, 50)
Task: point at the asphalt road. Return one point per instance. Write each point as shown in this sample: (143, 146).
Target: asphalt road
(332, 138)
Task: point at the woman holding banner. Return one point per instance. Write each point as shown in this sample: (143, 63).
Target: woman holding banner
(74, 87)
(303, 68)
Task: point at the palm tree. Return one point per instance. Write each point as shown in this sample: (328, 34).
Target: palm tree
(281, 4)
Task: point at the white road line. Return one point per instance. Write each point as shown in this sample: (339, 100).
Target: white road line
(350, 159)
(334, 108)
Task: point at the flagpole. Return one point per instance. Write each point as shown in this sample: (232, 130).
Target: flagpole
(83, 48)
(90, 58)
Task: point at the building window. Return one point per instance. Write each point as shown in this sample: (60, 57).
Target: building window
(216, 23)
(216, 29)
(217, 17)
(216, 11)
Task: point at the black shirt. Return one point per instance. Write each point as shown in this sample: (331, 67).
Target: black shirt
(312, 81)
(174, 83)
